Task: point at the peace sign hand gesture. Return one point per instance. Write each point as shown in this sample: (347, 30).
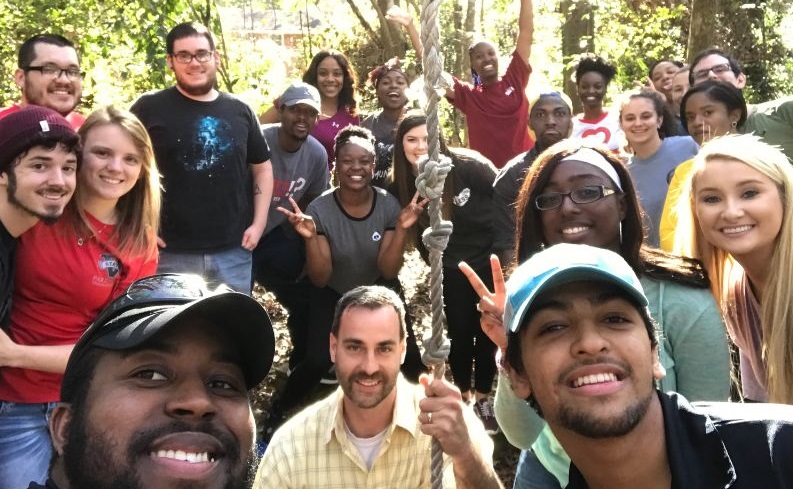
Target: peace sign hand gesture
(410, 214)
(303, 223)
(491, 304)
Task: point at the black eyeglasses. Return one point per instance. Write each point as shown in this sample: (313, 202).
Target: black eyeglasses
(719, 69)
(184, 57)
(582, 195)
(55, 72)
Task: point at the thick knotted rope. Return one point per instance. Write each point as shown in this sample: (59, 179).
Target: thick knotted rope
(432, 174)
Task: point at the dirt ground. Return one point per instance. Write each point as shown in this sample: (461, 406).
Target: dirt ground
(415, 280)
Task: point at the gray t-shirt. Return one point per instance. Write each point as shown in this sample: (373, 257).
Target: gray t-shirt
(354, 242)
(651, 177)
(294, 174)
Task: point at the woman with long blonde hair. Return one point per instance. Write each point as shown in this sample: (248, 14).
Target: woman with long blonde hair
(69, 271)
(736, 216)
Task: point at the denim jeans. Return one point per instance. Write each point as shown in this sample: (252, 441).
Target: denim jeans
(25, 446)
(531, 474)
(232, 266)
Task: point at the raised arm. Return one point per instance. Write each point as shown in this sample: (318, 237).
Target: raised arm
(525, 30)
(398, 15)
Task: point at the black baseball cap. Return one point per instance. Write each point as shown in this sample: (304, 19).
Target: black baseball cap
(150, 305)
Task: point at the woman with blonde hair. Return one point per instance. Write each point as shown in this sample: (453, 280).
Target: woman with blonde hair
(736, 216)
(68, 272)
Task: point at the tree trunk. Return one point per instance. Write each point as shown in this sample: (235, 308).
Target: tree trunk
(701, 33)
(577, 38)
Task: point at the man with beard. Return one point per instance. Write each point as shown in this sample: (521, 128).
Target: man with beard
(300, 172)
(48, 74)
(551, 121)
(376, 429)
(155, 394)
(217, 176)
(583, 351)
(38, 165)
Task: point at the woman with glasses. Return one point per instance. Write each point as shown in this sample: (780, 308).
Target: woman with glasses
(736, 215)
(650, 129)
(467, 202)
(708, 110)
(66, 274)
(580, 194)
(330, 71)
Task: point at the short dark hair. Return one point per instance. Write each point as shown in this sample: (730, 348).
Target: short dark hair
(735, 66)
(188, 29)
(77, 380)
(344, 136)
(68, 142)
(590, 62)
(718, 91)
(370, 297)
(27, 51)
(347, 99)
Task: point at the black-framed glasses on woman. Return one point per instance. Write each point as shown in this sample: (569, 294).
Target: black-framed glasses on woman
(581, 195)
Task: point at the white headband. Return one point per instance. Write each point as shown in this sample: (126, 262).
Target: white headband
(592, 157)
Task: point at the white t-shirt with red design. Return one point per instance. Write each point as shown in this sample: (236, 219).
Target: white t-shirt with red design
(605, 129)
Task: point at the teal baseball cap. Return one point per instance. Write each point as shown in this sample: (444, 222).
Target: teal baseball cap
(562, 264)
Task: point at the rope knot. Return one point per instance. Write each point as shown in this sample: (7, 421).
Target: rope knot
(437, 238)
(432, 175)
(436, 348)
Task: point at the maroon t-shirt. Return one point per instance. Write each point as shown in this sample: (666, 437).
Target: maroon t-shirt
(497, 115)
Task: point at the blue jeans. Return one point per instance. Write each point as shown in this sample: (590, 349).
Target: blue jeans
(232, 266)
(531, 474)
(25, 446)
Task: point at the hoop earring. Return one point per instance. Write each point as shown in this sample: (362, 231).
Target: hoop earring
(734, 124)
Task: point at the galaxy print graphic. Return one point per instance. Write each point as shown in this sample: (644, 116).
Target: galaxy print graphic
(211, 145)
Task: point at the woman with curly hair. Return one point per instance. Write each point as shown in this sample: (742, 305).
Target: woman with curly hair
(592, 77)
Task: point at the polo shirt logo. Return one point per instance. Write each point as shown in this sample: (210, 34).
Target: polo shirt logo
(509, 91)
(376, 236)
(462, 198)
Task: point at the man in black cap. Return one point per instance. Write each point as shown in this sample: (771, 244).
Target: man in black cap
(38, 165)
(155, 394)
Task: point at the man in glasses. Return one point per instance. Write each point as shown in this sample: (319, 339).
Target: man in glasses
(155, 394)
(772, 121)
(550, 118)
(215, 164)
(49, 75)
(583, 352)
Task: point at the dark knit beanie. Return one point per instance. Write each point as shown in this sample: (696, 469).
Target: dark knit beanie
(31, 126)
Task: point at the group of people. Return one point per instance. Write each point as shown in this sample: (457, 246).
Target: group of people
(638, 242)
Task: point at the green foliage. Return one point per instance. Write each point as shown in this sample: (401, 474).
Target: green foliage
(121, 42)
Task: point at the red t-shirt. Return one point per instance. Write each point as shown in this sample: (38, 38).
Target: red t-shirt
(497, 115)
(76, 119)
(60, 287)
